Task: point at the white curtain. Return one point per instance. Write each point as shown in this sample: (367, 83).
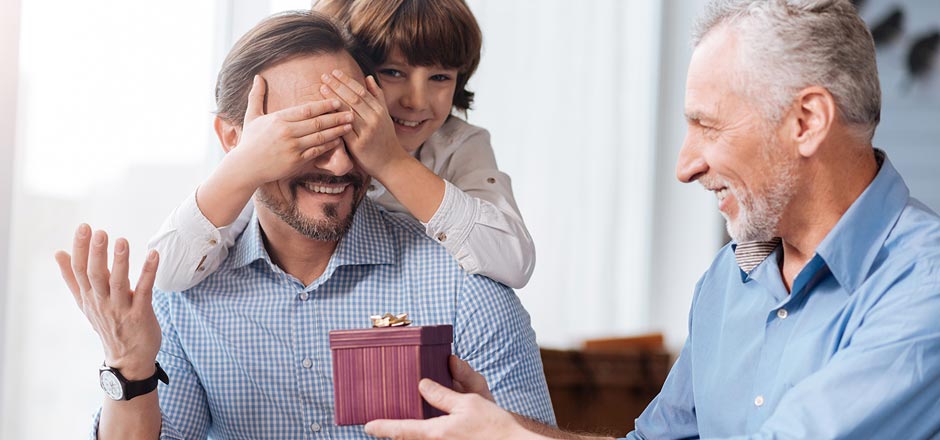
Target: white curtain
(113, 128)
(568, 91)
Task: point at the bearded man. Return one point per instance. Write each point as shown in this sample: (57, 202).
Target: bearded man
(821, 319)
(247, 350)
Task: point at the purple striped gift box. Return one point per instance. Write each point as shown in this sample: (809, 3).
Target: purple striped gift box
(376, 371)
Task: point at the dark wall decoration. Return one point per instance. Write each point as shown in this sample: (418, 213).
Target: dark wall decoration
(907, 40)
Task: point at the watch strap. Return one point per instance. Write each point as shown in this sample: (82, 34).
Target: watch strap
(136, 388)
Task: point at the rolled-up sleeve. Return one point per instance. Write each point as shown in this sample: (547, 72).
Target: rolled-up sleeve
(191, 247)
(478, 221)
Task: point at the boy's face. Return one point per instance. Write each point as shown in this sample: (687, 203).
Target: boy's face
(419, 98)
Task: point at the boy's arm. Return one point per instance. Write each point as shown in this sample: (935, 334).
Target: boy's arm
(195, 239)
(478, 218)
(191, 247)
(374, 144)
(475, 218)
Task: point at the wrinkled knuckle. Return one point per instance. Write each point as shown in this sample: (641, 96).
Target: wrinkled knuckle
(98, 278)
(311, 153)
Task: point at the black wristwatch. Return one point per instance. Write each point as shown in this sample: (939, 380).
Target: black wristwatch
(119, 388)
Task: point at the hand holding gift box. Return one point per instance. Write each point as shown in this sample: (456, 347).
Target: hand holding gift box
(376, 371)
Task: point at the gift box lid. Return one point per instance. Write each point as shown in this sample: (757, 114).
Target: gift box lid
(391, 336)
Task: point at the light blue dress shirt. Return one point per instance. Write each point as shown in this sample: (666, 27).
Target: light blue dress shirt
(852, 353)
(247, 350)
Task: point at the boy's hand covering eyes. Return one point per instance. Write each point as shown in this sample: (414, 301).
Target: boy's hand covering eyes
(372, 141)
(276, 145)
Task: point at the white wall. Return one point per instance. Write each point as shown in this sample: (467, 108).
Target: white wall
(9, 48)
(568, 92)
(687, 229)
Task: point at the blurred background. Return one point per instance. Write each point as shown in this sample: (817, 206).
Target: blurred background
(106, 116)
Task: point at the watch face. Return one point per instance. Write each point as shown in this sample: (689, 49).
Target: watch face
(111, 385)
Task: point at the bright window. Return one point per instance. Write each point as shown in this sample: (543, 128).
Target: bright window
(113, 129)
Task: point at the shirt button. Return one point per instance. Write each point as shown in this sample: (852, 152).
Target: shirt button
(490, 180)
(315, 427)
(441, 237)
(759, 401)
(782, 313)
(213, 242)
(307, 363)
(304, 296)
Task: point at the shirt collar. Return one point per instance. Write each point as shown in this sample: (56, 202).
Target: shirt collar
(851, 246)
(750, 254)
(366, 242)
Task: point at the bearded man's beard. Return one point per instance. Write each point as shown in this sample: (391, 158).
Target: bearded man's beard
(331, 227)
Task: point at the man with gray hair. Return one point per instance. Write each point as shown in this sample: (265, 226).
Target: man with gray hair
(821, 318)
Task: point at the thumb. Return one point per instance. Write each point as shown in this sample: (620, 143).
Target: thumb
(259, 89)
(438, 396)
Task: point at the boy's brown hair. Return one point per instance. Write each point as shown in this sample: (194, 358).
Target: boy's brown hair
(427, 32)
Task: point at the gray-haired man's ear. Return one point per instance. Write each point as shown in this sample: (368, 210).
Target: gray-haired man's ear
(811, 122)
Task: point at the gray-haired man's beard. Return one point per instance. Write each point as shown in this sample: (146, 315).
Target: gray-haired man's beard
(759, 214)
(758, 217)
(329, 228)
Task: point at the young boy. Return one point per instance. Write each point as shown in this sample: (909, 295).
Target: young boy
(424, 161)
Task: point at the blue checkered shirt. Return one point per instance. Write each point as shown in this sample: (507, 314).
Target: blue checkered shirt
(247, 350)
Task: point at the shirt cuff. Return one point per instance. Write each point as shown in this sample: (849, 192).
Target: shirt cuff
(184, 241)
(191, 220)
(451, 224)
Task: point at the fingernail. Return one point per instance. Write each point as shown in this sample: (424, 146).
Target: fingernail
(255, 79)
(152, 255)
(83, 230)
(425, 385)
(325, 78)
(99, 238)
(337, 73)
(120, 247)
(335, 103)
(348, 117)
(324, 90)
